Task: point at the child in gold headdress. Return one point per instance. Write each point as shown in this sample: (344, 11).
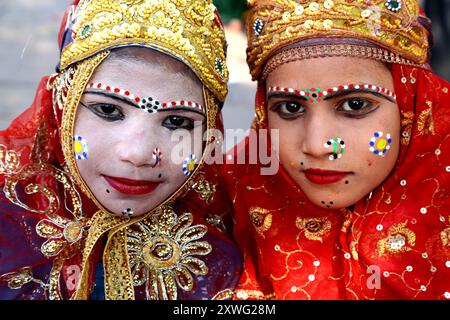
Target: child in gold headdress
(101, 196)
(359, 207)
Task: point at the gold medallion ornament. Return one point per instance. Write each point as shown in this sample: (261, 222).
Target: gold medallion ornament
(162, 250)
(391, 26)
(189, 30)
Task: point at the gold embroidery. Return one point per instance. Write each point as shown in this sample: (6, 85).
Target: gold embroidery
(407, 123)
(399, 239)
(205, 189)
(314, 228)
(18, 279)
(285, 22)
(425, 122)
(9, 161)
(261, 219)
(187, 30)
(445, 236)
(161, 250)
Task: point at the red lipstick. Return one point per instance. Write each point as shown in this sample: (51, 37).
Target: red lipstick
(319, 176)
(133, 187)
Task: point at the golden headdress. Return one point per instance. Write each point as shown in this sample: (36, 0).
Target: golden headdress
(189, 30)
(390, 29)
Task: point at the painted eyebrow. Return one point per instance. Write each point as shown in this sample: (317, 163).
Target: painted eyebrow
(181, 108)
(281, 92)
(113, 95)
(342, 93)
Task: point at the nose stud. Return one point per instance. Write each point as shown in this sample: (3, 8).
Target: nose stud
(338, 148)
(156, 155)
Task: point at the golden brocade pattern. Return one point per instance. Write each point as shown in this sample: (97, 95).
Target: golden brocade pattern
(187, 29)
(9, 161)
(162, 249)
(314, 228)
(274, 24)
(399, 239)
(261, 219)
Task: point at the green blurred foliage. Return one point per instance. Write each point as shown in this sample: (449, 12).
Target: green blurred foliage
(231, 9)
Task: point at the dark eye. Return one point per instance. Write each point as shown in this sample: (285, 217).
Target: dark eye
(177, 122)
(106, 111)
(288, 109)
(354, 104)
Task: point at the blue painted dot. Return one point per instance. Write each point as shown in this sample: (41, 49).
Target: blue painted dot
(372, 144)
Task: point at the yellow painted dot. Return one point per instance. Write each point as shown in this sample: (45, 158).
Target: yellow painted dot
(191, 166)
(78, 147)
(382, 143)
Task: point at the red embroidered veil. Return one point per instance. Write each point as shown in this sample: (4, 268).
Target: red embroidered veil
(395, 244)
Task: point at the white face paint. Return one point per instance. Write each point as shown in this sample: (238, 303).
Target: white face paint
(126, 144)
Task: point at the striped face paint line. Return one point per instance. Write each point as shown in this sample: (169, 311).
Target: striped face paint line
(315, 95)
(148, 104)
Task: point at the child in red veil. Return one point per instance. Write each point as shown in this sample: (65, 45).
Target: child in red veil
(359, 208)
(97, 200)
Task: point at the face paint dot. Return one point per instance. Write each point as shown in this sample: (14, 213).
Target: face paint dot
(107, 191)
(331, 202)
(323, 202)
(346, 182)
(80, 148)
(160, 176)
(301, 163)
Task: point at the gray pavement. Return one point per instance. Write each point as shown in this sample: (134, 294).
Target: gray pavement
(29, 50)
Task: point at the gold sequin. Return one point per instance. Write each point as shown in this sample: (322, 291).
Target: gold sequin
(314, 228)
(399, 239)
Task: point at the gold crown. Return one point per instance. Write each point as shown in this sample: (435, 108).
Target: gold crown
(389, 24)
(189, 30)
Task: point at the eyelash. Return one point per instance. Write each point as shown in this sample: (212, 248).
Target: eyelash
(96, 109)
(370, 106)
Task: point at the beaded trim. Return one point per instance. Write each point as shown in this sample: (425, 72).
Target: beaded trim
(315, 94)
(148, 104)
(334, 50)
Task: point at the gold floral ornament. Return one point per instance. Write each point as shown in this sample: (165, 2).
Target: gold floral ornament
(261, 219)
(9, 161)
(392, 25)
(162, 249)
(399, 239)
(445, 235)
(62, 234)
(205, 189)
(18, 279)
(189, 30)
(314, 228)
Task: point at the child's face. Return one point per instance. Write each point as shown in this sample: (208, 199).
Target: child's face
(125, 122)
(340, 145)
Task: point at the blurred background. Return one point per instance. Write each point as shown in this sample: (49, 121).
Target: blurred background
(29, 50)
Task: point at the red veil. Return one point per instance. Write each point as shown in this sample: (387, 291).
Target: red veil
(394, 245)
